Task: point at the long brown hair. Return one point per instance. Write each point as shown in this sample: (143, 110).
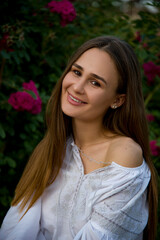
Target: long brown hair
(129, 120)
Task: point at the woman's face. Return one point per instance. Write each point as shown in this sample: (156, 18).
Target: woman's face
(89, 88)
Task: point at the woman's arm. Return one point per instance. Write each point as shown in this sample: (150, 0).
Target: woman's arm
(27, 228)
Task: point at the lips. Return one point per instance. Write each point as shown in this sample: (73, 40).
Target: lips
(75, 100)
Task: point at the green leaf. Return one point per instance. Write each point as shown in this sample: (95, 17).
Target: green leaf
(2, 132)
(31, 93)
(27, 57)
(10, 162)
(5, 54)
(2, 161)
(23, 136)
(16, 58)
(53, 78)
(33, 127)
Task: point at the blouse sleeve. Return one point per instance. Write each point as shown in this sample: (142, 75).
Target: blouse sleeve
(26, 228)
(120, 213)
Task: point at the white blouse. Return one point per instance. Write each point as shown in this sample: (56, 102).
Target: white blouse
(106, 204)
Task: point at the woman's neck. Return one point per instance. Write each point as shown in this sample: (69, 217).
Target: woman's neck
(86, 134)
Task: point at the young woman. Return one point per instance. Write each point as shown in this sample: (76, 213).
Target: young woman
(91, 177)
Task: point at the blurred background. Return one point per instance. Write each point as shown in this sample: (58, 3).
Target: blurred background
(37, 37)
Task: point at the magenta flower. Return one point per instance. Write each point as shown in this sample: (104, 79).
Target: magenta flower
(150, 71)
(28, 100)
(31, 87)
(66, 10)
(145, 45)
(138, 36)
(5, 43)
(150, 117)
(154, 148)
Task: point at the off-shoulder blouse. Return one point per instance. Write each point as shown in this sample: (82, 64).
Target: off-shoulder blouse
(106, 204)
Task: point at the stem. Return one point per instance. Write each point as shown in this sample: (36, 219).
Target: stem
(149, 97)
(1, 70)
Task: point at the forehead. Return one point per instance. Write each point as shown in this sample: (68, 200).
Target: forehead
(99, 62)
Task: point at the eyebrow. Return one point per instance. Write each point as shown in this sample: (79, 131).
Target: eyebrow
(92, 74)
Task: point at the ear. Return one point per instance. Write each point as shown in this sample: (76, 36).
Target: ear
(119, 100)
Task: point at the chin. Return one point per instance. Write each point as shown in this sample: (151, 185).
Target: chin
(67, 112)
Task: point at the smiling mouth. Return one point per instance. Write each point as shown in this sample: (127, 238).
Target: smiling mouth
(76, 100)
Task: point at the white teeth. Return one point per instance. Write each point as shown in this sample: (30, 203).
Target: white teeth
(74, 99)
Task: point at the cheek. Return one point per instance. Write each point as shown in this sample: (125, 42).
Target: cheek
(66, 82)
(103, 99)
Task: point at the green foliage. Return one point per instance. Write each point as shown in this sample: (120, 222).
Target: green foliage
(38, 48)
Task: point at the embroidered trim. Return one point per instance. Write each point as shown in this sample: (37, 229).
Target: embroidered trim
(115, 223)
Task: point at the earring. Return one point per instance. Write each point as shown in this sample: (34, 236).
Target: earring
(114, 106)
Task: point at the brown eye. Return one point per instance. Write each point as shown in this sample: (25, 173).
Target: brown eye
(76, 72)
(95, 83)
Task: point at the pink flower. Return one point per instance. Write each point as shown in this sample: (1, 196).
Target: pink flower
(150, 71)
(5, 43)
(31, 87)
(154, 148)
(66, 10)
(150, 117)
(145, 45)
(24, 101)
(138, 36)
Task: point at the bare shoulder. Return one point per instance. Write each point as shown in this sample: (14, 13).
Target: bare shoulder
(126, 152)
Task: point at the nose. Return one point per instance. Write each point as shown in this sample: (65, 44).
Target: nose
(79, 86)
